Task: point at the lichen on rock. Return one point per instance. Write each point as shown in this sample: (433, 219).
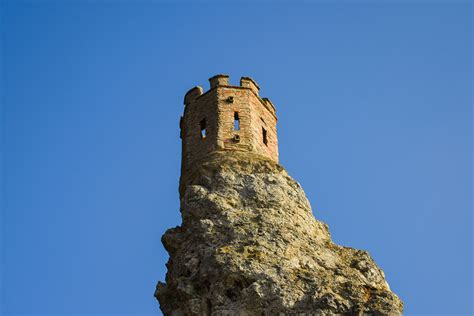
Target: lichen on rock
(250, 245)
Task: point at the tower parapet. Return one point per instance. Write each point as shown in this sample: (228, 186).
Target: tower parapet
(228, 118)
(249, 83)
(219, 80)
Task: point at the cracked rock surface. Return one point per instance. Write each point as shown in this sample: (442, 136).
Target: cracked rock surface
(250, 245)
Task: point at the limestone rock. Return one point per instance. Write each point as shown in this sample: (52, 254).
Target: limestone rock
(250, 245)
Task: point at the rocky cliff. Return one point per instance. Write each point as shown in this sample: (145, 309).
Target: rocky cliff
(250, 245)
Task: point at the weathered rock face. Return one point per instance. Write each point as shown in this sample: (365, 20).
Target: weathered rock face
(250, 245)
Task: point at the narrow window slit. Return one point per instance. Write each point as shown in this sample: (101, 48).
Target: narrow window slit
(264, 134)
(236, 121)
(202, 124)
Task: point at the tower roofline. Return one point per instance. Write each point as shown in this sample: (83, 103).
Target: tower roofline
(221, 81)
(219, 76)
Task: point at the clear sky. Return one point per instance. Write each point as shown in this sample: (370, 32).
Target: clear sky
(374, 103)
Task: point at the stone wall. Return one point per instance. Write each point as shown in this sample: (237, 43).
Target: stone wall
(195, 147)
(218, 108)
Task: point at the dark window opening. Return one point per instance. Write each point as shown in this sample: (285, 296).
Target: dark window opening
(202, 124)
(264, 134)
(236, 121)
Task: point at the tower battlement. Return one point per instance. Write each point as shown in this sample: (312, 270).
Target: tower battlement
(226, 117)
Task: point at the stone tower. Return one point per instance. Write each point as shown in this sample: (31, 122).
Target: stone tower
(229, 118)
(249, 243)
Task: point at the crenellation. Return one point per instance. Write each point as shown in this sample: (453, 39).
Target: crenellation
(219, 80)
(192, 94)
(248, 82)
(269, 105)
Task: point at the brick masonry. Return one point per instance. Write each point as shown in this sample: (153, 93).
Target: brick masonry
(214, 111)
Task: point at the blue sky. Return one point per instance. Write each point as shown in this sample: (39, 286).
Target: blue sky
(374, 104)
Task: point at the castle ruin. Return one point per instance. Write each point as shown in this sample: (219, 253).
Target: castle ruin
(226, 117)
(249, 243)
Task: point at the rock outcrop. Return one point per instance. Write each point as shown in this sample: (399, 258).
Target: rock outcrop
(250, 245)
